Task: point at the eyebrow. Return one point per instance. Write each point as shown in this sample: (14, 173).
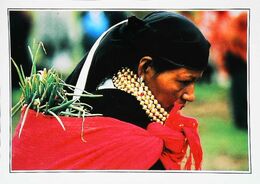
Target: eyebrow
(190, 77)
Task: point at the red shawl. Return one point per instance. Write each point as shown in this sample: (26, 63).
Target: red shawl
(104, 143)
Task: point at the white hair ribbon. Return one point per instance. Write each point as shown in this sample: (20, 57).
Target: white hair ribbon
(81, 82)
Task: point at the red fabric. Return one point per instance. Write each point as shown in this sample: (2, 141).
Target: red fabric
(110, 144)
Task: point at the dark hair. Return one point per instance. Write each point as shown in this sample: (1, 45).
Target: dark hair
(170, 39)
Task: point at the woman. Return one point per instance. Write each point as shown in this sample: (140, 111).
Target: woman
(145, 71)
(143, 67)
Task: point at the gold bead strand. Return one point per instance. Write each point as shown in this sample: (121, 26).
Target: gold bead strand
(126, 80)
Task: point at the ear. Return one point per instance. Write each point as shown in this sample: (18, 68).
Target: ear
(144, 65)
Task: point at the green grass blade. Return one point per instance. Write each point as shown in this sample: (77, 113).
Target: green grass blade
(25, 116)
(31, 54)
(82, 127)
(17, 107)
(73, 87)
(62, 106)
(51, 98)
(84, 104)
(22, 72)
(84, 95)
(58, 119)
(19, 72)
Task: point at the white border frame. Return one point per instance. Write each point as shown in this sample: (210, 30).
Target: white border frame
(123, 176)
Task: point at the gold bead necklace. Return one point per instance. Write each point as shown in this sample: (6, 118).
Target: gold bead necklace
(126, 80)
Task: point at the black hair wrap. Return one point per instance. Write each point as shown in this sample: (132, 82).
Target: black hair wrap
(166, 36)
(170, 37)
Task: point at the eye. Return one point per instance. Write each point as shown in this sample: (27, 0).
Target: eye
(185, 82)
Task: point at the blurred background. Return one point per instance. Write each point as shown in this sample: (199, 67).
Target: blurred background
(221, 105)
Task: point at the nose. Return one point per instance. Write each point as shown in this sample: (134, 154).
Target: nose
(189, 94)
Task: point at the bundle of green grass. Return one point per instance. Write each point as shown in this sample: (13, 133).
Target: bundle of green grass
(44, 91)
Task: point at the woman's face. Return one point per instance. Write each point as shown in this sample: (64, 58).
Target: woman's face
(172, 86)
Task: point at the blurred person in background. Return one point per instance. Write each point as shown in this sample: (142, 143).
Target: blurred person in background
(61, 33)
(67, 34)
(236, 65)
(227, 32)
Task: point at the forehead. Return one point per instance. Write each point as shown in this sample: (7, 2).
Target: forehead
(184, 73)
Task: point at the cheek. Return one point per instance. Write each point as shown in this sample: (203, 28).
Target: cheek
(166, 94)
